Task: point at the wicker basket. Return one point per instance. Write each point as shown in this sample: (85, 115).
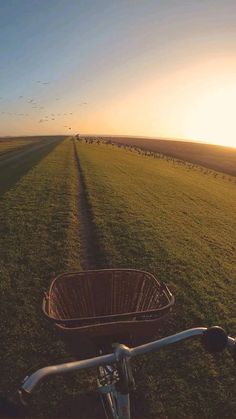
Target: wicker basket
(94, 308)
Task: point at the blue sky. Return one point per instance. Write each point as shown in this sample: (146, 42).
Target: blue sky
(111, 55)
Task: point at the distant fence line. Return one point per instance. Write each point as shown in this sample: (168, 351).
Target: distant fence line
(155, 155)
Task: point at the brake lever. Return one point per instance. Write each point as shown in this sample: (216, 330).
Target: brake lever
(23, 397)
(233, 353)
(12, 407)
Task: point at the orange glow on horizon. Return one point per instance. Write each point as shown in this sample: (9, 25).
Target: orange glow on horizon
(194, 103)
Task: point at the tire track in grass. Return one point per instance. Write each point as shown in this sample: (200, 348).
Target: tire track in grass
(38, 240)
(181, 224)
(90, 253)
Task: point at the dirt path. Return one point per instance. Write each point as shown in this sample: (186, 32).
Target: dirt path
(91, 256)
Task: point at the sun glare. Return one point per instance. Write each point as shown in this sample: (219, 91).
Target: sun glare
(212, 117)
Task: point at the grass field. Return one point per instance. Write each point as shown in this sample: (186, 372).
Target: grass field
(220, 158)
(7, 145)
(108, 207)
(39, 225)
(13, 144)
(19, 159)
(179, 224)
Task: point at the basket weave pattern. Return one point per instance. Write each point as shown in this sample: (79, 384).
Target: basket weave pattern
(93, 308)
(104, 293)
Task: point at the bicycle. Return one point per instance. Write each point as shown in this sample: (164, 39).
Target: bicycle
(96, 322)
(116, 380)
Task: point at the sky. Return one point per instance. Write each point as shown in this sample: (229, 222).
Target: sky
(157, 68)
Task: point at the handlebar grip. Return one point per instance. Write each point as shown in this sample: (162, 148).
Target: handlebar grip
(214, 339)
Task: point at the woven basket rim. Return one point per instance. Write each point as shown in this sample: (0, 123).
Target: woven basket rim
(92, 320)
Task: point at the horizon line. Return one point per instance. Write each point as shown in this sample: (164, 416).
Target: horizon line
(186, 140)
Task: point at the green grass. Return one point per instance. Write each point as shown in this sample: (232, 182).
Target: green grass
(146, 213)
(38, 240)
(8, 145)
(179, 224)
(19, 161)
(213, 157)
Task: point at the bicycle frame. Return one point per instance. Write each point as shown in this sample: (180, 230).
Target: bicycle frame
(114, 385)
(116, 390)
(118, 403)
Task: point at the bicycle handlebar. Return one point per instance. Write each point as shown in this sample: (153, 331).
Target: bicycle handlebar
(214, 339)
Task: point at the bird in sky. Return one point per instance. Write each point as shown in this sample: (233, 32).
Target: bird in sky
(42, 82)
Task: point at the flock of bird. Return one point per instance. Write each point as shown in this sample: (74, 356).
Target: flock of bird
(35, 105)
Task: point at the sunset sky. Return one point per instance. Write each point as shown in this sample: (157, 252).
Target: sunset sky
(158, 68)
